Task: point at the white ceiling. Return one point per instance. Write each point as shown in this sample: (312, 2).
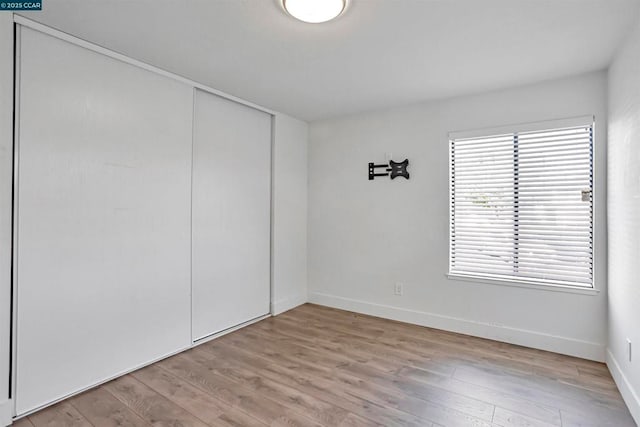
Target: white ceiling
(378, 54)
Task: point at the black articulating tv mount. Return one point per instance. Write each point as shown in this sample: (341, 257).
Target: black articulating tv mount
(392, 169)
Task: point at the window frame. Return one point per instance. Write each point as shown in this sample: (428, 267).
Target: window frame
(549, 285)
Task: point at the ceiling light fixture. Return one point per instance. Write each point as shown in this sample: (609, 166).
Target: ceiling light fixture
(314, 11)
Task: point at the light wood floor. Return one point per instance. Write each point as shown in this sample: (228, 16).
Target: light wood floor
(316, 366)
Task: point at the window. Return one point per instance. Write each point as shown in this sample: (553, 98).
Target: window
(522, 203)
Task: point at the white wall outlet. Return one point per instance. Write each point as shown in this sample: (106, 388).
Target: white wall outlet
(397, 289)
(629, 353)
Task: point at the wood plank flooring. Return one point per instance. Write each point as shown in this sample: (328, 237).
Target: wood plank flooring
(317, 366)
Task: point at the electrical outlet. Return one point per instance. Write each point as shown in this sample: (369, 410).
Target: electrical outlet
(629, 349)
(397, 290)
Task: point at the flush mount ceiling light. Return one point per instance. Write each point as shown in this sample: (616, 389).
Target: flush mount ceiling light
(314, 11)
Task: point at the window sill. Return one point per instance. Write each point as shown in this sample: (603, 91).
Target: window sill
(550, 288)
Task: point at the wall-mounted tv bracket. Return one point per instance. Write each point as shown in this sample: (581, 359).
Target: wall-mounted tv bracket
(393, 169)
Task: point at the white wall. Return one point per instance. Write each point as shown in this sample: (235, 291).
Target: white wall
(364, 236)
(289, 254)
(6, 160)
(624, 220)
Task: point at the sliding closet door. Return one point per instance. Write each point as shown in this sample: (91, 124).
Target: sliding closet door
(103, 218)
(231, 214)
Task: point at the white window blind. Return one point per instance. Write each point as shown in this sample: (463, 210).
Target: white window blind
(522, 204)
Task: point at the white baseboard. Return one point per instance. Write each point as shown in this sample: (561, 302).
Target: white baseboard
(287, 304)
(523, 337)
(631, 398)
(6, 412)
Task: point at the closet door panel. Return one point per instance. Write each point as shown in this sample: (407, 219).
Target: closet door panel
(103, 218)
(231, 214)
